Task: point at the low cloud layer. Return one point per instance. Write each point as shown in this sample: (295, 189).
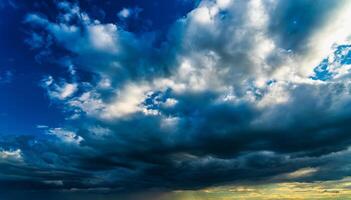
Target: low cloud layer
(238, 92)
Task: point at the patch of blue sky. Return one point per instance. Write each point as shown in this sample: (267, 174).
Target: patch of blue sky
(326, 69)
(322, 71)
(343, 54)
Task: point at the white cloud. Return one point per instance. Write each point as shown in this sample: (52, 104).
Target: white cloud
(88, 102)
(103, 37)
(224, 3)
(128, 101)
(276, 93)
(59, 91)
(63, 91)
(129, 12)
(67, 90)
(202, 15)
(93, 37)
(170, 102)
(11, 155)
(66, 135)
(124, 13)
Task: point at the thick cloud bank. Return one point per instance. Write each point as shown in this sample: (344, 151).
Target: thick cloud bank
(238, 91)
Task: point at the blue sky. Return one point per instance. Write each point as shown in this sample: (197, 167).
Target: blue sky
(153, 97)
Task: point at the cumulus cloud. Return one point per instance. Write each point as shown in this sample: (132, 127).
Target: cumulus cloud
(233, 94)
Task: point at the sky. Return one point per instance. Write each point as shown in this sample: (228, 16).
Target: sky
(181, 99)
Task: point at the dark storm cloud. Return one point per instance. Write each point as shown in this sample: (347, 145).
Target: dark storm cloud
(219, 102)
(212, 146)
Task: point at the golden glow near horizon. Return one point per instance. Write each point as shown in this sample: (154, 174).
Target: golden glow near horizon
(339, 189)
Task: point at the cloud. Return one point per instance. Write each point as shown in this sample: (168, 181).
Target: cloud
(129, 12)
(66, 136)
(60, 92)
(11, 156)
(232, 95)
